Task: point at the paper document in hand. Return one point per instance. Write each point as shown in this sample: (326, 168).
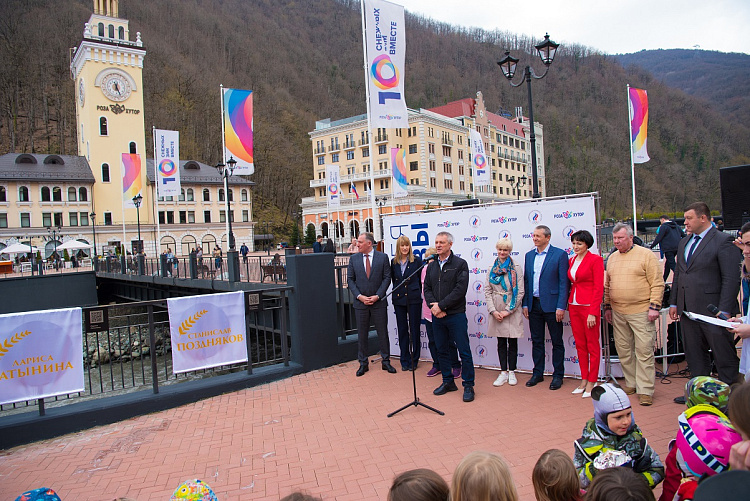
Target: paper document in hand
(710, 320)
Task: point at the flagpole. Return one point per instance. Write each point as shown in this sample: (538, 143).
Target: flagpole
(632, 163)
(156, 196)
(122, 200)
(373, 205)
(224, 161)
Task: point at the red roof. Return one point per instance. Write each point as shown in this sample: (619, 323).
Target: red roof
(465, 108)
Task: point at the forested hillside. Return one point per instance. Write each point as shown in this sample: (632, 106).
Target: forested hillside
(304, 59)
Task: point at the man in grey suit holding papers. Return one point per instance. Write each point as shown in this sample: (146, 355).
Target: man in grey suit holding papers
(368, 277)
(706, 273)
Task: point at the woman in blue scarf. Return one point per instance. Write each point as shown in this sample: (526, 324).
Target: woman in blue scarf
(504, 292)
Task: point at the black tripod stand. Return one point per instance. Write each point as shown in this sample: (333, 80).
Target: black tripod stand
(416, 401)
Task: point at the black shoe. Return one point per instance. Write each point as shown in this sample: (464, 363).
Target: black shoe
(405, 368)
(388, 367)
(534, 381)
(556, 383)
(468, 394)
(362, 369)
(445, 388)
(679, 400)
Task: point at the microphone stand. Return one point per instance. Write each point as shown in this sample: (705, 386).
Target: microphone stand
(416, 401)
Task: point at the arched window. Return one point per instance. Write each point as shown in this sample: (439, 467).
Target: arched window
(83, 194)
(3, 195)
(324, 229)
(339, 229)
(101, 29)
(190, 195)
(46, 196)
(72, 194)
(167, 243)
(206, 195)
(231, 195)
(111, 31)
(121, 33)
(208, 244)
(243, 194)
(181, 198)
(132, 147)
(105, 173)
(221, 194)
(103, 126)
(354, 228)
(56, 194)
(368, 225)
(23, 194)
(188, 244)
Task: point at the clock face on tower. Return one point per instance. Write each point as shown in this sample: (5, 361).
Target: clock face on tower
(81, 92)
(116, 86)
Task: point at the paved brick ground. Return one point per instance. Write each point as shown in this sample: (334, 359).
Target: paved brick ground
(324, 432)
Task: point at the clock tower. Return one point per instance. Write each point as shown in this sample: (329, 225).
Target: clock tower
(107, 69)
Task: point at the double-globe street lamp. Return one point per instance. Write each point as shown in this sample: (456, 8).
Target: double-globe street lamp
(517, 183)
(233, 258)
(137, 200)
(55, 233)
(546, 51)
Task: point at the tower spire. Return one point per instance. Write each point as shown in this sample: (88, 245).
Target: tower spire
(109, 8)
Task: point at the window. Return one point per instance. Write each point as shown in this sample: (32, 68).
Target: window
(384, 184)
(206, 216)
(183, 217)
(231, 195)
(365, 152)
(191, 216)
(245, 216)
(190, 195)
(103, 126)
(350, 155)
(108, 219)
(413, 166)
(83, 218)
(460, 170)
(73, 219)
(321, 160)
(46, 219)
(382, 149)
(101, 29)
(121, 33)
(23, 194)
(461, 185)
(3, 220)
(206, 195)
(448, 184)
(111, 31)
(243, 195)
(132, 147)
(46, 197)
(412, 148)
(170, 217)
(58, 218)
(433, 183)
(3, 195)
(222, 216)
(56, 194)
(334, 157)
(181, 198)
(105, 173)
(448, 168)
(446, 151)
(432, 165)
(221, 194)
(72, 194)
(25, 220)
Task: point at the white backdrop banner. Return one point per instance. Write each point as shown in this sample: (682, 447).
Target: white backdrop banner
(475, 231)
(41, 354)
(207, 331)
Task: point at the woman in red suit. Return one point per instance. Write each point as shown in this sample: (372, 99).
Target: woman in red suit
(586, 274)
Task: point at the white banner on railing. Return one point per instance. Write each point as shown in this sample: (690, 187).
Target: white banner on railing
(207, 331)
(475, 231)
(41, 354)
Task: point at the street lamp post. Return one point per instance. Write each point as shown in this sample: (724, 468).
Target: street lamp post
(95, 257)
(55, 231)
(546, 51)
(268, 241)
(381, 203)
(517, 183)
(137, 200)
(233, 257)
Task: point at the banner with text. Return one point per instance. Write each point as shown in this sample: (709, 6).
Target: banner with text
(41, 354)
(385, 52)
(207, 331)
(334, 186)
(479, 160)
(398, 171)
(167, 147)
(475, 231)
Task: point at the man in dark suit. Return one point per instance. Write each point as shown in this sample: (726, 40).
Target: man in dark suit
(546, 281)
(706, 273)
(368, 277)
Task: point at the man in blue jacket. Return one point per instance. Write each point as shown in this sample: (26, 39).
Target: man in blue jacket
(546, 281)
(668, 238)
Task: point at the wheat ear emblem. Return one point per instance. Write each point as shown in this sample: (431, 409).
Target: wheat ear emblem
(190, 322)
(12, 341)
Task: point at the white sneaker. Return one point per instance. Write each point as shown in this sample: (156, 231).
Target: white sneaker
(501, 379)
(512, 378)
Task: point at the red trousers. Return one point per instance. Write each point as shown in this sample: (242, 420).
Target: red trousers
(587, 341)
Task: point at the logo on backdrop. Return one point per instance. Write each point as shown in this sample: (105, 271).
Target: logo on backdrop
(480, 319)
(568, 215)
(475, 222)
(569, 251)
(568, 231)
(528, 235)
(448, 224)
(477, 271)
(481, 351)
(504, 219)
(504, 234)
(535, 216)
(478, 286)
(476, 254)
(476, 302)
(475, 238)
(478, 335)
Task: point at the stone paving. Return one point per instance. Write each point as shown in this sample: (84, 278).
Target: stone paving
(324, 432)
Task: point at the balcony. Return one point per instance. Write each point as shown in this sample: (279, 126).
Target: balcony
(349, 145)
(320, 150)
(334, 148)
(381, 138)
(364, 142)
(447, 142)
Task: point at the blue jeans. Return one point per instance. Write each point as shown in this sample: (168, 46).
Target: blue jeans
(537, 321)
(452, 351)
(453, 329)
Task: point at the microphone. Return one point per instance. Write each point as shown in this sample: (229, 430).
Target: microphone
(427, 259)
(716, 312)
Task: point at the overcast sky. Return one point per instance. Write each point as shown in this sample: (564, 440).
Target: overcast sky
(614, 26)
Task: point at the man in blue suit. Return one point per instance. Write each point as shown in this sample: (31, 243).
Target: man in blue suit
(546, 276)
(368, 277)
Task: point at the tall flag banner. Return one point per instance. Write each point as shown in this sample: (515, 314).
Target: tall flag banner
(238, 129)
(398, 171)
(40, 354)
(167, 164)
(479, 160)
(385, 53)
(354, 190)
(132, 178)
(334, 186)
(207, 331)
(638, 103)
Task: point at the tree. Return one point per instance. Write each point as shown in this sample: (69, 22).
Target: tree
(294, 238)
(310, 234)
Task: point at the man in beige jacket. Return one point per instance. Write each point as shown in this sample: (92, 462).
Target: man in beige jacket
(633, 291)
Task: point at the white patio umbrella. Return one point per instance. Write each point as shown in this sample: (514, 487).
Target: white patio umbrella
(18, 249)
(74, 245)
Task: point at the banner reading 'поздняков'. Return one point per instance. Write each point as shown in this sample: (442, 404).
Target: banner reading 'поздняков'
(41, 354)
(207, 331)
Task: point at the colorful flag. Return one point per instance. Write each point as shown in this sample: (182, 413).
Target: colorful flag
(167, 164)
(385, 54)
(479, 160)
(398, 171)
(238, 129)
(638, 104)
(354, 190)
(132, 180)
(334, 187)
